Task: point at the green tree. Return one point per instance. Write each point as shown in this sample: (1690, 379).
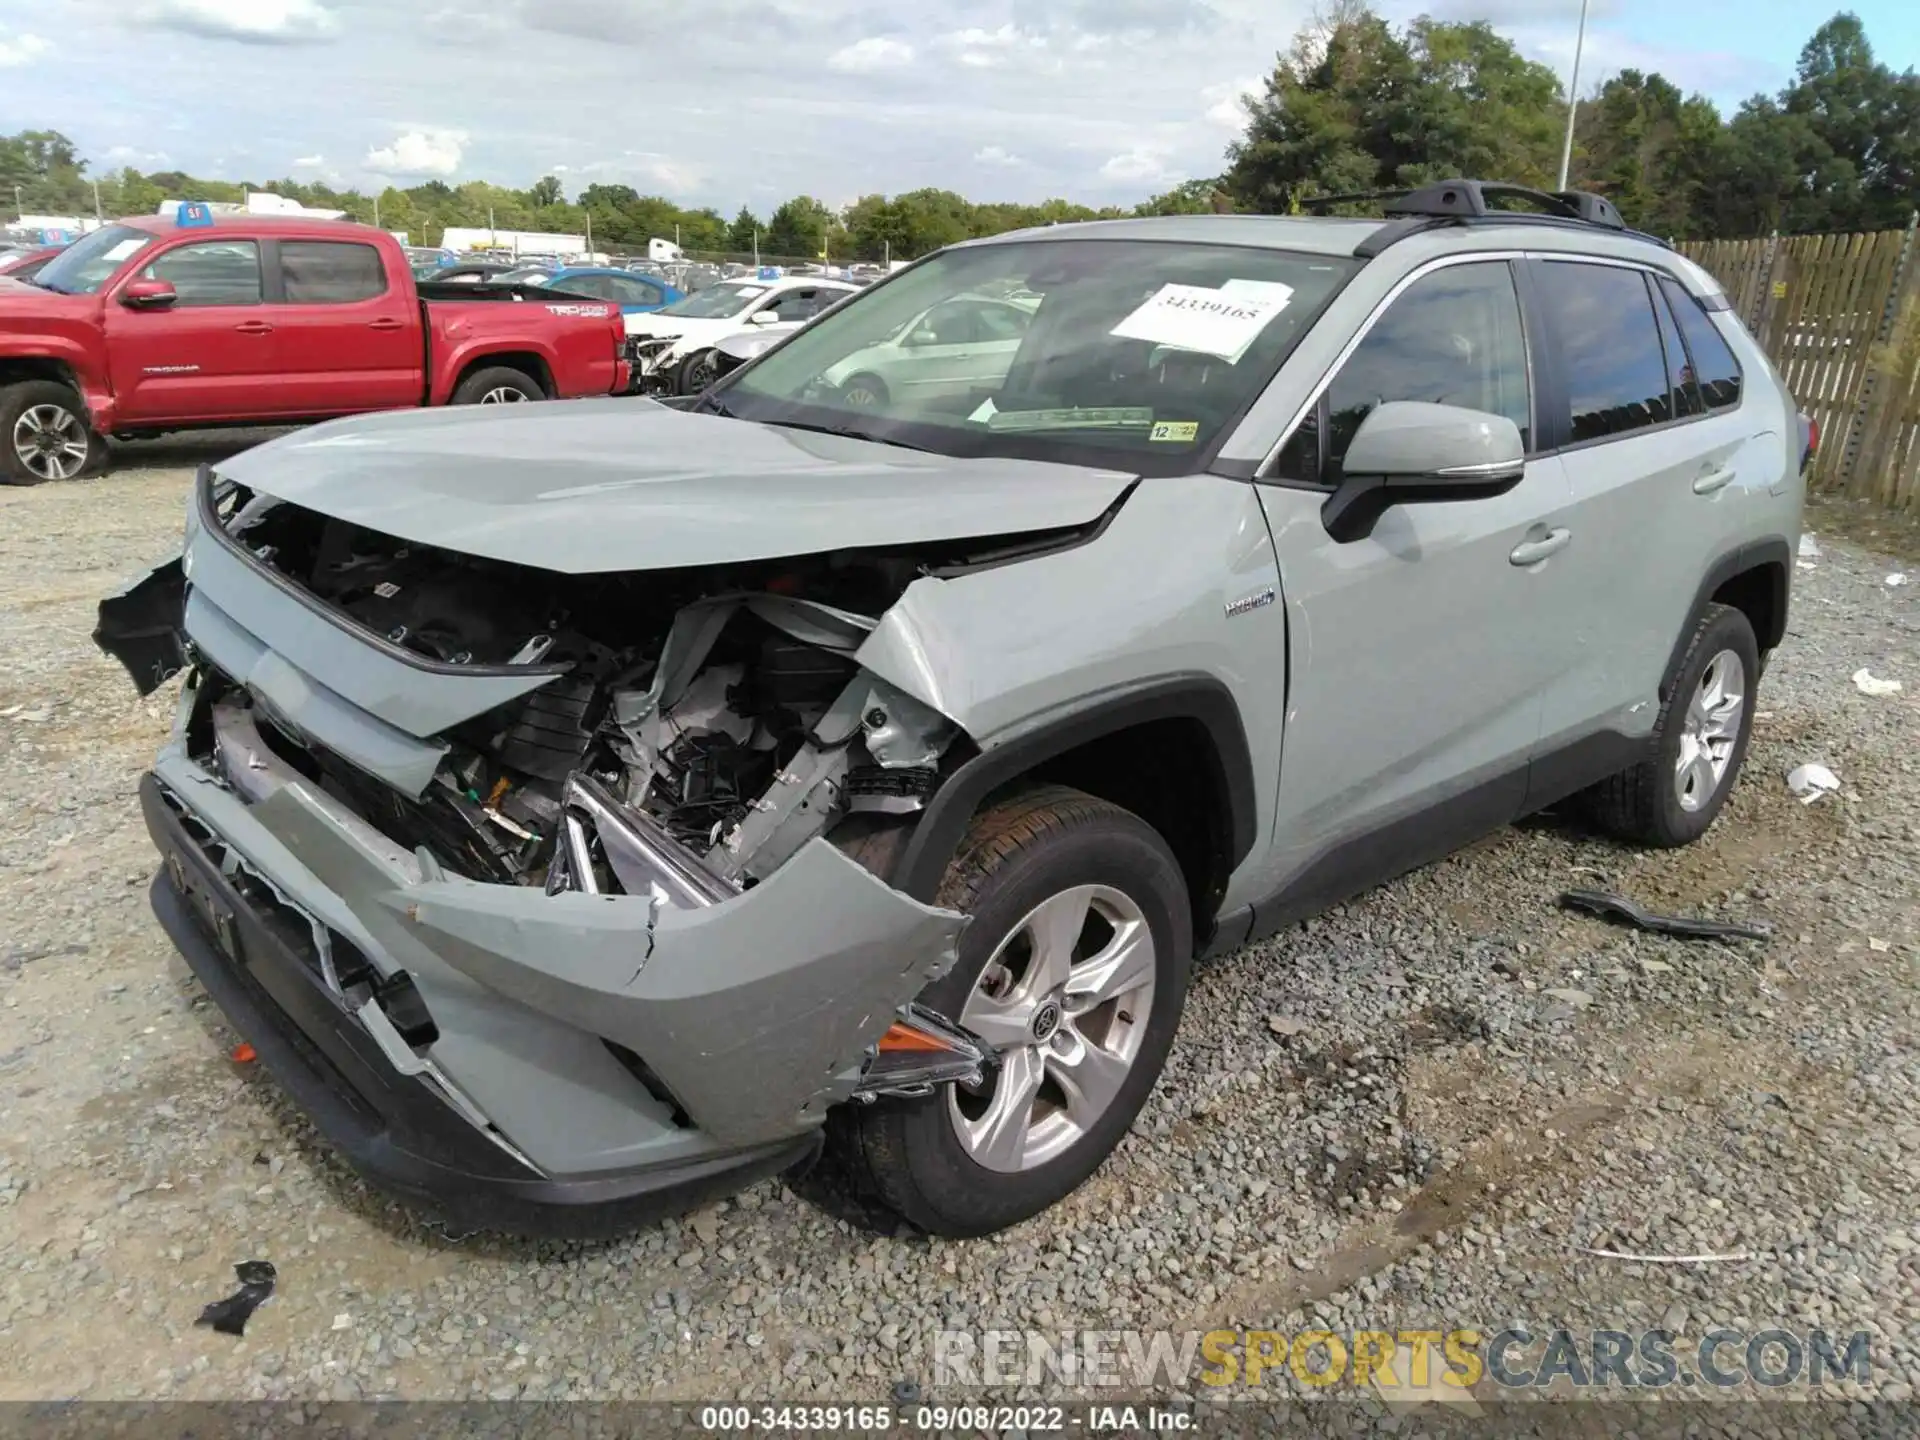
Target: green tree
(798, 229)
(546, 191)
(743, 232)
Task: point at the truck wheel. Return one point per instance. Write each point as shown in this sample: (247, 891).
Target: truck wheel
(44, 434)
(1698, 746)
(1075, 967)
(698, 371)
(498, 385)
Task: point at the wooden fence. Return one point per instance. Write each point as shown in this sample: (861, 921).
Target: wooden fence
(1840, 317)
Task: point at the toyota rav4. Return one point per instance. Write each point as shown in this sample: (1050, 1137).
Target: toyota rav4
(585, 809)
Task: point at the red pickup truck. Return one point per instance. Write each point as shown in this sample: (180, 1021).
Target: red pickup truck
(195, 320)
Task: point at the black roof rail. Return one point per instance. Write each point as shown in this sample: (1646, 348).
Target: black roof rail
(1465, 202)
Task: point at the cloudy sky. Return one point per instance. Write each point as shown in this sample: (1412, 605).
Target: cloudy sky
(726, 102)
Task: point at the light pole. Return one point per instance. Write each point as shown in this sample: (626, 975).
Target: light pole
(1573, 98)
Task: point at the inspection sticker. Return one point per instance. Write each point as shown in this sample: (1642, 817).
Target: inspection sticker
(1221, 322)
(1174, 430)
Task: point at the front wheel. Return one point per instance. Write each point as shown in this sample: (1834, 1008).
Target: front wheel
(1075, 970)
(698, 371)
(44, 434)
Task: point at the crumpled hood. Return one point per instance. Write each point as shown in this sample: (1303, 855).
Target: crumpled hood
(584, 486)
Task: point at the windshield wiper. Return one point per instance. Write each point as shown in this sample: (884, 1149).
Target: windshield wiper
(845, 433)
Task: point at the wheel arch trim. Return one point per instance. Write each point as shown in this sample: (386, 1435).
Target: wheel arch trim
(1193, 696)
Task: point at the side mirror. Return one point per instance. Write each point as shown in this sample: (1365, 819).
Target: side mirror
(148, 294)
(764, 317)
(1408, 452)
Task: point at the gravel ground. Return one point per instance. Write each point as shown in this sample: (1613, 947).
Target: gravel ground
(1413, 1111)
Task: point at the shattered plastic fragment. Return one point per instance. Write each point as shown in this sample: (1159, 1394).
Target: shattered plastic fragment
(229, 1316)
(1609, 906)
(1810, 782)
(1865, 682)
(243, 1054)
(1809, 547)
(1899, 577)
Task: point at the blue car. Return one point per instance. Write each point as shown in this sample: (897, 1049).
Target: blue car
(634, 294)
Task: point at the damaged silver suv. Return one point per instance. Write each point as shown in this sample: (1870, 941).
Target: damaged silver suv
(586, 808)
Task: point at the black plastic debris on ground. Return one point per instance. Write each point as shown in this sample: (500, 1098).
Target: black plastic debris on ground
(229, 1316)
(1609, 906)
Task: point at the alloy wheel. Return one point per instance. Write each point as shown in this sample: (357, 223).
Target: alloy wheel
(1065, 998)
(1711, 732)
(504, 395)
(51, 442)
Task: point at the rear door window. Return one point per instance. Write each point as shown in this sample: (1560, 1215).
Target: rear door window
(1615, 369)
(1714, 366)
(330, 272)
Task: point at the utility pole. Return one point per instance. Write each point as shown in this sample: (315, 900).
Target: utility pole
(589, 215)
(756, 239)
(96, 203)
(376, 212)
(19, 205)
(493, 240)
(1573, 98)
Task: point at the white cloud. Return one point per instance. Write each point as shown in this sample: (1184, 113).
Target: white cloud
(254, 22)
(673, 176)
(991, 49)
(310, 162)
(133, 155)
(1138, 166)
(21, 49)
(1226, 103)
(420, 152)
(996, 155)
(876, 52)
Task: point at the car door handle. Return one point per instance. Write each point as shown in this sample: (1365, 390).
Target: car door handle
(1532, 552)
(386, 323)
(1713, 480)
(253, 327)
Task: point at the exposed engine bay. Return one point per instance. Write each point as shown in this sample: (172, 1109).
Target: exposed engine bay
(720, 708)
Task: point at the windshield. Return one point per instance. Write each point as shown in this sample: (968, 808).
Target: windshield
(527, 275)
(716, 302)
(87, 264)
(1141, 353)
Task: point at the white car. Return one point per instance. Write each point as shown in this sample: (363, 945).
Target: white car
(952, 349)
(672, 348)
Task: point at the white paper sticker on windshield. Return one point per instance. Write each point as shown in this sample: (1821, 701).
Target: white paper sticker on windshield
(984, 415)
(750, 290)
(1221, 322)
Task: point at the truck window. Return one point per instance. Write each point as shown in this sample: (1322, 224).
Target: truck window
(211, 272)
(330, 272)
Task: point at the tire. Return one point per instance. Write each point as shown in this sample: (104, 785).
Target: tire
(1655, 803)
(1049, 845)
(34, 409)
(871, 388)
(497, 385)
(697, 372)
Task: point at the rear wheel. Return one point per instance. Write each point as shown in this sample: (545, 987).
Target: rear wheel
(498, 385)
(44, 434)
(1699, 744)
(1075, 969)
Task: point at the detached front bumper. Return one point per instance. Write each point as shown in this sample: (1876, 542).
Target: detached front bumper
(654, 367)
